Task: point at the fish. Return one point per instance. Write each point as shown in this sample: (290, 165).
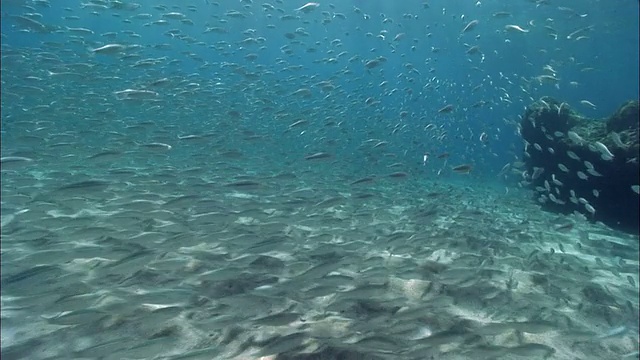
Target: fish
(531, 327)
(515, 28)
(275, 179)
(38, 271)
(133, 94)
(446, 109)
(157, 146)
(579, 31)
(331, 201)
(317, 156)
(573, 155)
(593, 172)
(31, 24)
(564, 227)
(398, 175)
(587, 103)
(279, 319)
(590, 209)
(107, 154)
(546, 79)
(87, 185)
(109, 49)
(462, 169)
(617, 141)
(77, 317)
(80, 31)
(575, 137)
(501, 14)
(537, 171)
(470, 26)
(370, 64)
(308, 7)
(617, 331)
(631, 280)
(363, 180)
(174, 16)
(298, 123)
(504, 169)
(243, 184)
(13, 160)
(281, 344)
(604, 151)
(531, 350)
(235, 14)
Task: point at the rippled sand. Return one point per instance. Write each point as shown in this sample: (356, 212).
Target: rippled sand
(183, 263)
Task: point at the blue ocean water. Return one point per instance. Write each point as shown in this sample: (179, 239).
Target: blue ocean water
(237, 179)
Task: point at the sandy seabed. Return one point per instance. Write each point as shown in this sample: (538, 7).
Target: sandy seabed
(170, 265)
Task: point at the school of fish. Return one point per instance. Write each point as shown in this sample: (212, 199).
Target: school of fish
(291, 180)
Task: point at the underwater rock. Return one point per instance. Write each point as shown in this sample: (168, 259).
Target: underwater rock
(575, 163)
(626, 118)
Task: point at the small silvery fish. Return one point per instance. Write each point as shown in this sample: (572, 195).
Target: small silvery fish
(317, 156)
(462, 169)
